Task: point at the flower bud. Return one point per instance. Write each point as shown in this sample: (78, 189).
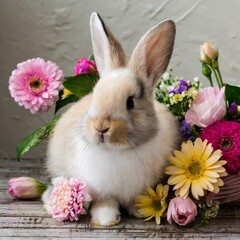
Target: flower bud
(85, 66)
(206, 71)
(182, 211)
(208, 53)
(26, 187)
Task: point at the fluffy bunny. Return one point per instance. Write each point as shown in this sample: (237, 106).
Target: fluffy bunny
(117, 139)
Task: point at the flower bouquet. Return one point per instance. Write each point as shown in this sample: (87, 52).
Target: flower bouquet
(203, 173)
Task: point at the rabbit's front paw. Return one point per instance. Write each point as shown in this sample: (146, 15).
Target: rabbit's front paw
(105, 214)
(46, 199)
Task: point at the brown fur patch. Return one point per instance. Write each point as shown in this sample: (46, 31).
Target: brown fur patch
(118, 132)
(113, 130)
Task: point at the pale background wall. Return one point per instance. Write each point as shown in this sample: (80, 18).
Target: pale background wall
(58, 30)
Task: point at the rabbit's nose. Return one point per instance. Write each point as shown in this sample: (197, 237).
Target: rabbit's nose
(102, 130)
(102, 125)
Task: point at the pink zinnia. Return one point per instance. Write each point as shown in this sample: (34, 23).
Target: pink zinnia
(35, 84)
(69, 199)
(225, 135)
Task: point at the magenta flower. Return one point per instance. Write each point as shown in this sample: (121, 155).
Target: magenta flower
(69, 199)
(85, 66)
(35, 84)
(182, 211)
(225, 135)
(26, 187)
(208, 107)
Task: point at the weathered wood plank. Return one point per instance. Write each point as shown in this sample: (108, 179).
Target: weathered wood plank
(128, 224)
(21, 219)
(44, 226)
(96, 234)
(24, 162)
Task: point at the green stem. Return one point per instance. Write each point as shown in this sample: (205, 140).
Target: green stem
(220, 77)
(210, 80)
(216, 76)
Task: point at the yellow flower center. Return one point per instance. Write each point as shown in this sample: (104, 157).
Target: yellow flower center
(36, 83)
(157, 205)
(195, 170)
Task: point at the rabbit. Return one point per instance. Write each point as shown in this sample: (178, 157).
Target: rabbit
(117, 139)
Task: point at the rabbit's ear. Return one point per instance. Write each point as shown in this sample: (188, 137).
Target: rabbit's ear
(152, 54)
(108, 52)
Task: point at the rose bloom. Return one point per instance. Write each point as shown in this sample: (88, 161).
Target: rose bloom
(182, 211)
(208, 107)
(26, 187)
(85, 66)
(208, 53)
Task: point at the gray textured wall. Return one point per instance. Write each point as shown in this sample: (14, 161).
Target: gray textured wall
(58, 30)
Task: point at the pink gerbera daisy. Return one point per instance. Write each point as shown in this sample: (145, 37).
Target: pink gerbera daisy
(225, 135)
(35, 84)
(69, 199)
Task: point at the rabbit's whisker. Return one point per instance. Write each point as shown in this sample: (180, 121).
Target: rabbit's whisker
(135, 150)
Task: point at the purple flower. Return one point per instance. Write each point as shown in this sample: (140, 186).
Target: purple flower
(186, 131)
(183, 86)
(233, 108)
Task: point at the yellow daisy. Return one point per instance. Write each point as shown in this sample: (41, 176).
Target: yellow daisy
(153, 204)
(196, 167)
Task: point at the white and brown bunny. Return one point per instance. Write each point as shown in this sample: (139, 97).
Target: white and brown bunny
(117, 138)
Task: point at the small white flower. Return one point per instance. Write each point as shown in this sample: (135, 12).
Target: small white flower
(196, 79)
(184, 94)
(166, 76)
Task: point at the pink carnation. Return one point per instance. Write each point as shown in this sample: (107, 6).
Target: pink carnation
(35, 84)
(225, 135)
(85, 66)
(69, 199)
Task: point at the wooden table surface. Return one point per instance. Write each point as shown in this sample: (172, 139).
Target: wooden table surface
(28, 220)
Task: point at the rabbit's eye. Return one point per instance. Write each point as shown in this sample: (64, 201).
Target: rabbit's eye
(130, 103)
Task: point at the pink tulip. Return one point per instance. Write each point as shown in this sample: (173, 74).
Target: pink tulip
(85, 66)
(26, 187)
(182, 211)
(208, 107)
(208, 53)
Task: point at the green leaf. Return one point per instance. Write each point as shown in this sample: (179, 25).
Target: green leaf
(232, 94)
(91, 58)
(81, 84)
(36, 137)
(63, 102)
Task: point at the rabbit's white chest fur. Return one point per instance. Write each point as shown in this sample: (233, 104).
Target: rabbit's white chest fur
(108, 172)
